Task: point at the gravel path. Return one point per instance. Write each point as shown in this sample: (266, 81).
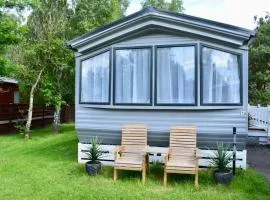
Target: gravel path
(258, 157)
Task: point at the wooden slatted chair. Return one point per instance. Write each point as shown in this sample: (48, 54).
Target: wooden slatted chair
(132, 154)
(182, 154)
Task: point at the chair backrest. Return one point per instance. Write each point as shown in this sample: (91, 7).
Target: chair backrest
(134, 135)
(183, 140)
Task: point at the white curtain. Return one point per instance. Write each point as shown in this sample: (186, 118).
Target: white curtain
(176, 75)
(132, 76)
(221, 78)
(95, 79)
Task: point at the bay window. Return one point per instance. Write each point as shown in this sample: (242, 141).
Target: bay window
(175, 75)
(95, 79)
(220, 77)
(132, 76)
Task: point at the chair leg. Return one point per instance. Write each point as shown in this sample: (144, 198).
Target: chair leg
(165, 178)
(143, 174)
(115, 173)
(197, 174)
(197, 179)
(147, 163)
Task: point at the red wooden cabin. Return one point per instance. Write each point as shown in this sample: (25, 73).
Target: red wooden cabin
(9, 91)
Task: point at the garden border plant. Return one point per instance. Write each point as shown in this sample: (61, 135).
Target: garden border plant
(93, 166)
(220, 162)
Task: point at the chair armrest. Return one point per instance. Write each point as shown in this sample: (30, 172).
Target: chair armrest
(145, 150)
(167, 156)
(117, 151)
(198, 153)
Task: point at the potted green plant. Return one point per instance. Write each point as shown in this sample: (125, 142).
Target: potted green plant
(93, 166)
(220, 161)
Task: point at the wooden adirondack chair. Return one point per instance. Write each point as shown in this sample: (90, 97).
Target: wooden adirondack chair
(132, 154)
(182, 154)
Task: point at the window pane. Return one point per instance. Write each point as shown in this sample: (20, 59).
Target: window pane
(95, 79)
(132, 76)
(16, 97)
(176, 75)
(221, 77)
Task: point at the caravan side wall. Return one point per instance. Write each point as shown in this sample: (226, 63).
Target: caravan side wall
(214, 123)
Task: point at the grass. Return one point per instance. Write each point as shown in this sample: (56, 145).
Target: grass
(46, 168)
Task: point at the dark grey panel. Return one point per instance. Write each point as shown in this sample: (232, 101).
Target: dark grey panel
(161, 139)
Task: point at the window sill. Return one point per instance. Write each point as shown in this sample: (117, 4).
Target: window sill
(129, 107)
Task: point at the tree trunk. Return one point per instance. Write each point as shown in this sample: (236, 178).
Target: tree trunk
(30, 113)
(30, 109)
(56, 119)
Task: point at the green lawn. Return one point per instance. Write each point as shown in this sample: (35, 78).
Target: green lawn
(46, 168)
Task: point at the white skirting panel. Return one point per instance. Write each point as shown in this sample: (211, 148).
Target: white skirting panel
(156, 155)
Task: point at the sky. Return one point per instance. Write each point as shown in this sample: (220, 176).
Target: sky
(236, 12)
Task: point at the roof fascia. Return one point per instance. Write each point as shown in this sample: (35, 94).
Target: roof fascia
(154, 17)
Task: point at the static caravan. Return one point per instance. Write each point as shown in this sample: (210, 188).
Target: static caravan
(161, 69)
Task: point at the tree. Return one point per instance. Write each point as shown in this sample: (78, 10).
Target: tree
(30, 73)
(11, 33)
(58, 83)
(90, 14)
(48, 65)
(259, 64)
(45, 63)
(60, 24)
(173, 5)
(47, 37)
(176, 6)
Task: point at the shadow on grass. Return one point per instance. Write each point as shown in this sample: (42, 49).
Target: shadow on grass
(41, 132)
(48, 131)
(156, 174)
(49, 146)
(67, 127)
(65, 149)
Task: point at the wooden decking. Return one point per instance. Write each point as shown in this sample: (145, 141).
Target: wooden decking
(257, 133)
(258, 136)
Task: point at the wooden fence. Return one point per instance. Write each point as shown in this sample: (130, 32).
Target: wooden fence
(68, 114)
(259, 117)
(16, 114)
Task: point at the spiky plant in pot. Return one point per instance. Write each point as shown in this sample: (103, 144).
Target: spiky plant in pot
(93, 166)
(220, 161)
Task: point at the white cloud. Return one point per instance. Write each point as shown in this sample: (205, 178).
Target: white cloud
(235, 12)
